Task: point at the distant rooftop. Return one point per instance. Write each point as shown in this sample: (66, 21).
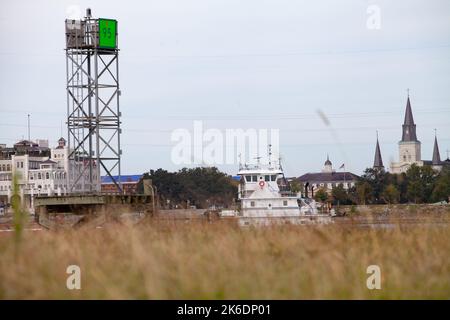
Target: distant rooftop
(328, 176)
(123, 179)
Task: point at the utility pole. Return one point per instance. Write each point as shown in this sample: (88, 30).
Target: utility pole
(29, 137)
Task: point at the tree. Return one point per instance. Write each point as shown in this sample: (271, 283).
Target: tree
(378, 179)
(203, 186)
(339, 194)
(364, 192)
(421, 181)
(390, 194)
(321, 195)
(441, 190)
(296, 186)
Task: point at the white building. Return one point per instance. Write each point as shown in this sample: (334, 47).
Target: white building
(327, 179)
(40, 170)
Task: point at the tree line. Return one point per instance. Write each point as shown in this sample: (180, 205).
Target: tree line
(202, 187)
(416, 185)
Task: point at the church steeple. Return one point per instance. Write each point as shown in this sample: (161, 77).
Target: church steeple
(378, 161)
(409, 127)
(436, 156)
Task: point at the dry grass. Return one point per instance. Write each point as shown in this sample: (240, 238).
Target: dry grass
(216, 261)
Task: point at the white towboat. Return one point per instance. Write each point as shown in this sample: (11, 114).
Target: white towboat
(266, 201)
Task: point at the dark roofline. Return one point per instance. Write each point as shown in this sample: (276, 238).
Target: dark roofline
(328, 177)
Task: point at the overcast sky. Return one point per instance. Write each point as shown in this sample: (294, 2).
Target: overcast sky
(243, 64)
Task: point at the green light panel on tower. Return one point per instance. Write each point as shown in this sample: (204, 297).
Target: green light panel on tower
(107, 35)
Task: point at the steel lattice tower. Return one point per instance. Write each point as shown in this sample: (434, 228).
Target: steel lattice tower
(93, 115)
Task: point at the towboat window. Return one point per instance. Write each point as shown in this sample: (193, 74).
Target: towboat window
(267, 178)
(273, 177)
(285, 203)
(255, 178)
(248, 178)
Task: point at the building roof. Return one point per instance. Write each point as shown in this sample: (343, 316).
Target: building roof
(26, 143)
(48, 162)
(378, 161)
(436, 156)
(409, 127)
(123, 179)
(328, 162)
(409, 120)
(328, 177)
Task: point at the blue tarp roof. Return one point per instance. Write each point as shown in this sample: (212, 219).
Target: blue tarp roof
(123, 178)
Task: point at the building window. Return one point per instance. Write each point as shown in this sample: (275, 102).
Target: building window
(252, 203)
(285, 203)
(47, 176)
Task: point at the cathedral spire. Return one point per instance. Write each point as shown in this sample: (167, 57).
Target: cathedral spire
(378, 161)
(436, 156)
(409, 127)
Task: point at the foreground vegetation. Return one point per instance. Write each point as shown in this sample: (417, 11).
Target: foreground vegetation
(221, 261)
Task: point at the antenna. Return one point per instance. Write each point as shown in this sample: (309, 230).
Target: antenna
(286, 183)
(29, 139)
(270, 154)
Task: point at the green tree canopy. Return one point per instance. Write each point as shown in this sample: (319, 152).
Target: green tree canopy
(390, 194)
(320, 195)
(339, 194)
(201, 186)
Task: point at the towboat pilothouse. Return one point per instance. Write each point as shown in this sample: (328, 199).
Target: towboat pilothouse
(266, 198)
